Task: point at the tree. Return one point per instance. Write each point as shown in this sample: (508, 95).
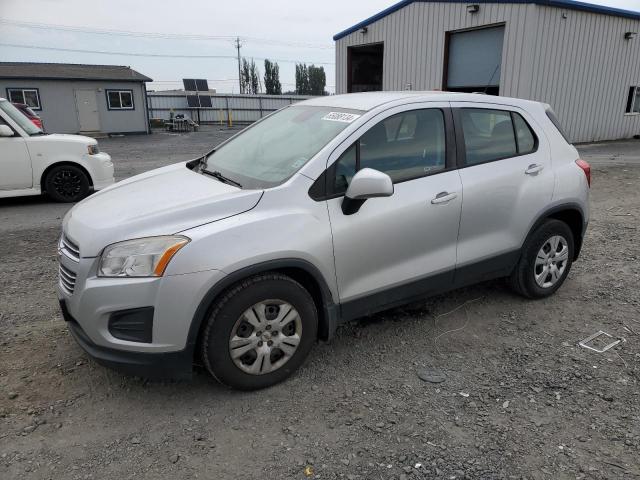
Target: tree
(310, 80)
(302, 79)
(317, 80)
(250, 78)
(272, 84)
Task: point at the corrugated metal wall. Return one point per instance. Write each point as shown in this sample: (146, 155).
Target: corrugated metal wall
(581, 65)
(244, 108)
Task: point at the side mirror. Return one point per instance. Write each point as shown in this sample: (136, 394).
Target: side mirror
(366, 183)
(5, 131)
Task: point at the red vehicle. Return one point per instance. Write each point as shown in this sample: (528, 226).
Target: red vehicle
(30, 114)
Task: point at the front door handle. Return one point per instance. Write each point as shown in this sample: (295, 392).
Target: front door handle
(533, 169)
(443, 197)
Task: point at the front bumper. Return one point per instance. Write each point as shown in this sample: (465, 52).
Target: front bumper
(89, 302)
(175, 365)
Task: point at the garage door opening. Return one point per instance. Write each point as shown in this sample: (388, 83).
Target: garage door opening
(473, 60)
(365, 68)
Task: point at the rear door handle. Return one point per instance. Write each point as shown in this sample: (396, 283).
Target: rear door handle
(443, 197)
(533, 169)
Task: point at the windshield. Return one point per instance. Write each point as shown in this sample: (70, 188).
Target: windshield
(272, 150)
(20, 118)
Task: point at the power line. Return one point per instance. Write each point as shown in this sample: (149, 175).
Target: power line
(153, 55)
(128, 33)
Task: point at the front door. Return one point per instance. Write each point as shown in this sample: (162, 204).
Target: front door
(87, 107)
(15, 163)
(395, 248)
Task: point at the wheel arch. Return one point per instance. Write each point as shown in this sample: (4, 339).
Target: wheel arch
(301, 271)
(570, 213)
(59, 164)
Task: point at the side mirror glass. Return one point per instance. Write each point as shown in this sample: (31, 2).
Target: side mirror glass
(366, 183)
(5, 131)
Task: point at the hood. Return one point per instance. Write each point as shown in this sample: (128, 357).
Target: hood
(160, 202)
(63, 138)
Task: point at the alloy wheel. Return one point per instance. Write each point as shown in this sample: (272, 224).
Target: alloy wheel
(67, 183)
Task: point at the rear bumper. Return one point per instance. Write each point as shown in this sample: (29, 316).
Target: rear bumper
(175, 365)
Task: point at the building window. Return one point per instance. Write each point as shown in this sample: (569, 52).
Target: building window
(120, 99)
(633, 101)
(28, 96)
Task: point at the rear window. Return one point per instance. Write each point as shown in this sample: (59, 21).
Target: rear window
(552, 116)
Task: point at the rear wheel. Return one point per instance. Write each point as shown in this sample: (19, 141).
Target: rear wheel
(67, 183)
(260, 331)
(545, 261)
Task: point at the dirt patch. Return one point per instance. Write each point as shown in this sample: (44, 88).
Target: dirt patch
(519, 399)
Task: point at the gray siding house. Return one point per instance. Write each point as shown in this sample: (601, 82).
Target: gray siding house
(582, 59)
(87, 99)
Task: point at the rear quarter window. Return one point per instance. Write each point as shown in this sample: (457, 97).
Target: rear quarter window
(552, 116)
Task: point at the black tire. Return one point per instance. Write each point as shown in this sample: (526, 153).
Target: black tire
(523, 278)
(228, 310)
(67, 183)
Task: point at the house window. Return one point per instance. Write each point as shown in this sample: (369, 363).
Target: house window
(120, 99)
(633, 101)
(27, 96)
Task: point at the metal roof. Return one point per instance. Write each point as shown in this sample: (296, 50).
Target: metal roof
(568, 4)
(70, 71)
(369, 100)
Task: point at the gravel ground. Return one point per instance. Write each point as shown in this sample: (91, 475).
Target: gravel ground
(519, 398)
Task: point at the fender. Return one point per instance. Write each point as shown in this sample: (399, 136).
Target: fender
(554, 210)
(328, 316)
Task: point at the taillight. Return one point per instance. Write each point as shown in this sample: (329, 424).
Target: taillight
(586, 168)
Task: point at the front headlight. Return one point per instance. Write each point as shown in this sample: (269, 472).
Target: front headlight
(93, 149)
(143, 257)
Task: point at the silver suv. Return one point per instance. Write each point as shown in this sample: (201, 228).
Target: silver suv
(327, 210)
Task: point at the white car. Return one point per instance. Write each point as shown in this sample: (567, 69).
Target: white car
(66, 167)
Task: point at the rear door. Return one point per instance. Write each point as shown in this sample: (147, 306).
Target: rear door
(395, 247)
(507, 179)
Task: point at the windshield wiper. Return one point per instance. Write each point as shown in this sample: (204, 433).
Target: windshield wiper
(219, 176)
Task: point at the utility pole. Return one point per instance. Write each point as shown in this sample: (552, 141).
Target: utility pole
(238, 45)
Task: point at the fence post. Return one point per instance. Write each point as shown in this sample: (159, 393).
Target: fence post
(260, 102)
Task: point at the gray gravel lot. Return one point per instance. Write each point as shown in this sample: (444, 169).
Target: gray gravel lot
(519, 399)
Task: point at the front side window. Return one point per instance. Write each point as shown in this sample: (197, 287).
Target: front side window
(27, 96)
(270, 151)
(633, 100)
(405, 146)
(120, 99)
(20, 118)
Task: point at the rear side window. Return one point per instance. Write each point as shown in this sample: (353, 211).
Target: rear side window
(552, 116)
(488, 135)
(525, 136)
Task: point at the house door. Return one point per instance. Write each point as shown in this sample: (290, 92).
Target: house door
(87, 108)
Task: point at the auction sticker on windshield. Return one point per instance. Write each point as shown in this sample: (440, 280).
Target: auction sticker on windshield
(340, 117)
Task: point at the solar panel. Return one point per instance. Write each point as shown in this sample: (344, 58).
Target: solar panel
(205, 101)
(192, 101)
(202, 85)
(189, 84)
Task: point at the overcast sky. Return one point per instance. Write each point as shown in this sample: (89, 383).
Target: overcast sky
(279, 29)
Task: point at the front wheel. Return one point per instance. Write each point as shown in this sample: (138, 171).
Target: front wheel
(67, 183)
(545, 260)
(260, 331)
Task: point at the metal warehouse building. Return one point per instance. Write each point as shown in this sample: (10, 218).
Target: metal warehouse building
(582, 59)
(71, 98)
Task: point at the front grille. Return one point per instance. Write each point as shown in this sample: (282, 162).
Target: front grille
(69, 248)
(67, 279)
